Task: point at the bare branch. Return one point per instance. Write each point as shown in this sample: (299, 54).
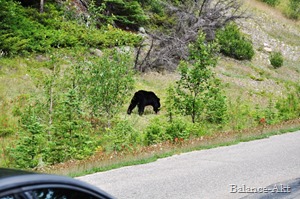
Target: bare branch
(191, 17)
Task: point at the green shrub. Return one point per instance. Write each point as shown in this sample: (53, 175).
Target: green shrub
(198, 129)
(241, 114)
(294, 9)
(121, 136)
(53, 125)
(117, 37)
(31, 145)
(13, 23)
(216, 104)
(156, 132)
(118, 12)
(276, 59)
(25, 30)
(48, 137)
(272, 2)
(234, 44)
(156, 7)
(105, 82)
(70, 136)
(198, 92)
(289, 106)
(31, 31)
(177, 129)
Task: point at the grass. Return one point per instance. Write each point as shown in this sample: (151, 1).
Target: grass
(100, 163)
(158, 83)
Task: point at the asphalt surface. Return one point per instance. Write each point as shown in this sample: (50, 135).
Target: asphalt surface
(267, 168)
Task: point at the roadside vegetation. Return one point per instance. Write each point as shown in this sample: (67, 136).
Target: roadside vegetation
(67, 77)
(289, 8)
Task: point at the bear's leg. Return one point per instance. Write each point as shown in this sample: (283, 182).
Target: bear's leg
(141, 107)
(132, 105)
(155, 107)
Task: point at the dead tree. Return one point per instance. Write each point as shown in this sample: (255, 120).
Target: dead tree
(191, 17)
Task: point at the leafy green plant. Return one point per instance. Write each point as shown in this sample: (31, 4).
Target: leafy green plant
(271, 113)
(70, 132)
(216, 103)
(294, 9)
(12, 15)
(11, 44)
(241, 114)
(196, 93)
(105, 82)
(32, 143)
(178, 130)
(198, 129)
(122, 136)
(170, 103)
(289, 106)
(24, 30)
(155, 132)
(276, 59)
(117, 37)
(233, 43)
(53, 122)
(31, 31)
(118, 12)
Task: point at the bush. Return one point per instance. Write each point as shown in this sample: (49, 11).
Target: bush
(105, 82)
(48, 138)
(12, 18)
(178, 129)
(70, 132)
(234, 44)
(31, 145)
(110, 37)
(156, 132)
(294, 9)
(25, 30)
(289, 107)
(276, 59)
(31, 31)
(198, 93)
(216, 104)
(272, 2)
(121, 136)
(118, 12)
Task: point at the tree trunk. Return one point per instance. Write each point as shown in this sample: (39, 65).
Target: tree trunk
(42, 6)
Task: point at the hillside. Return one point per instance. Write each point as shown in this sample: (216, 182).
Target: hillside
(259, 98)
(254, 82)
(270, 31)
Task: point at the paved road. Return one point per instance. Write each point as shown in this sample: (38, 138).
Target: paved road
(269, 165)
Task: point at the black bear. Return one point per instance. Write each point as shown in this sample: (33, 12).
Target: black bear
(144, 98)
